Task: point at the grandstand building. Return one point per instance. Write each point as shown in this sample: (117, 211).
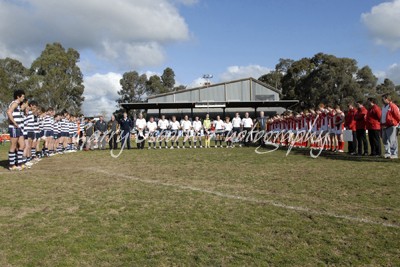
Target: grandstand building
(244, 95)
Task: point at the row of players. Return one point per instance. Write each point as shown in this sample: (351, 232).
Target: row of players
(164, 130)
(28, 124)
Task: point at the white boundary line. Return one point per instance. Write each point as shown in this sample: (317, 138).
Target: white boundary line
(252, 200)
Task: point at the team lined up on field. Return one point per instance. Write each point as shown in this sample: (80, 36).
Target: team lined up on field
(320, 128)
(29, 124)
(165, 133)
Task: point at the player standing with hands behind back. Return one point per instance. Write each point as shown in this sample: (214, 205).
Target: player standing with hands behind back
(16, 120)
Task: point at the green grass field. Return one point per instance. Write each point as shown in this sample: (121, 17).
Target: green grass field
(203, 207)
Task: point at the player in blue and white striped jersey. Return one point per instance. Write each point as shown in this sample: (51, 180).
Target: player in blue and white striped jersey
(57, 134)
(29, 131)
(70, 133)
(82, 130)
(15, 121)
(48, 122)
(73, 131)
(36, 130)
(65, 130)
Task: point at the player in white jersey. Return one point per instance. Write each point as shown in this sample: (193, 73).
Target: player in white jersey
(152, 129)
(339, 125)
(247, 124)
(174, 126)
(197, 128)
(236, 124)
(163, 124)
(186, 126)
(15, 121)
(228, 128)
(219, 131)
(140, 128)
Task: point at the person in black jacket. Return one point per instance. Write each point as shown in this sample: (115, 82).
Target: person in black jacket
(113, 132)
(126, 125)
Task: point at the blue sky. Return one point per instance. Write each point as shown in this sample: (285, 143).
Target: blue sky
(228, 39)
(258, 32)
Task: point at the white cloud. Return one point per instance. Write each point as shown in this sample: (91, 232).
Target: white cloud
(127, 33)
(101, 92)
(380, 74)
(383, 23)
(233, 73)
(240, 72)
(392, 72)
(197, 83)
(187, 2)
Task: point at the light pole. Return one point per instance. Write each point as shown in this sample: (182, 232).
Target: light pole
(207, 77)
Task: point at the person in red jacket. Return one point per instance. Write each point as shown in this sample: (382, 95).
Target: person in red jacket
(350, 124)
(374, 127)
(389, 122)
(360, 119)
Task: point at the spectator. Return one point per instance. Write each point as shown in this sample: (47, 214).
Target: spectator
(100, 128)
(373, 125)
(360, 119)
(113, 131)
(389, 121)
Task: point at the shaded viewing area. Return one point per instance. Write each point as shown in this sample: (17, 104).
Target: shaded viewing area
(210, 107)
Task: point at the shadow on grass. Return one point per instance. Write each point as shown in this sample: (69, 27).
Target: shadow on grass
(337, 156)
(4, 164)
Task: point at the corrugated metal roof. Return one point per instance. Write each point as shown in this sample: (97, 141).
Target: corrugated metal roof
(251, 79)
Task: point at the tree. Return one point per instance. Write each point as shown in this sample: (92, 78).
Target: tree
(155, 86)
(388, 87)
(367, 80)
(134, 88)
(180, 88)
(274, 78)
(13, 75)
(283, 65)
(168, 79)
(56, 80)
(327, 79)
(291, 81)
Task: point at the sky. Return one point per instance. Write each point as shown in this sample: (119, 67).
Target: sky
(229, 39)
